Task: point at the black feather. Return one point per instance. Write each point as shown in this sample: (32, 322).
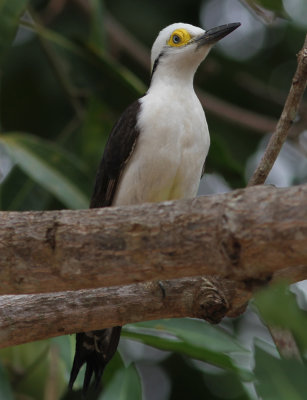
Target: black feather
(118, 150)
(95, 349)
(155, 65)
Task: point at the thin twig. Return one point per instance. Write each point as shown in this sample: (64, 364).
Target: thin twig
(235, 114)
(284, 339)
(262, 13)
(285, 342)
(286, 119)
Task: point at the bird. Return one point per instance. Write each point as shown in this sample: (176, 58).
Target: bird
(155, 152)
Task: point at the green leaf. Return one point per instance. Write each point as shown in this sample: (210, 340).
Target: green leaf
(65, 349)
(273, 5)
(10, 11)
(5, 387)
(182, 347)
(6, 163)
(194, 338)
(97, 32)
(278, 307)
(226, 385)
(54, 169)
(28, 365)
(20, 193)
(125, 385)
(279, 379)
(112, 368)
(198, 333)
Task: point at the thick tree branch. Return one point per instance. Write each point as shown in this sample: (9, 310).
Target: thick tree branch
(245, 236)
(286, 119)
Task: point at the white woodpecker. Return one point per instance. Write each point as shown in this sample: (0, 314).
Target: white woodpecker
(155, 152)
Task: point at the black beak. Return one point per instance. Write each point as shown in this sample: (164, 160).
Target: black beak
(215, 34)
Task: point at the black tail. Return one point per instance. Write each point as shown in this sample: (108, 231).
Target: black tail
(95, 349)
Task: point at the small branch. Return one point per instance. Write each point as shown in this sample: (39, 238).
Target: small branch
(126, 41)
(25, 318)
(235, 114)
(285, 343)
(286, 119)
(245, 235)
(264, 14)
(284, 340)
(32, 317)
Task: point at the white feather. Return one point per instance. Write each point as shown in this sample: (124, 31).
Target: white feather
(174, 139)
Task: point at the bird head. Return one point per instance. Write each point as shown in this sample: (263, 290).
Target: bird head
(180, 48)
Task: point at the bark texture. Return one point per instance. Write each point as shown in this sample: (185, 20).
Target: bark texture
(24, 318)
(244, 236)
(238, 242)
(53, 314)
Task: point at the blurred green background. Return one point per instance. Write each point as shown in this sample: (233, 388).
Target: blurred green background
(68, 69)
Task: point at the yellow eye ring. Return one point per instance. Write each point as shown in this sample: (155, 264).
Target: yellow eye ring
(179, 37)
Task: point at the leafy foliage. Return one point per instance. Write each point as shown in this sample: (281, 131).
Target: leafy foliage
(125, 385)
(279, 308)
(10, 12)
(195, 339)
(279, 379)
(59, 172)
(63, 84)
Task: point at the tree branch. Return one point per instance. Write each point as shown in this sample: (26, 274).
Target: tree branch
(235, 114)
(24, 318)
(286, 119)
(284, 340)
(61, 313)
(245, 236)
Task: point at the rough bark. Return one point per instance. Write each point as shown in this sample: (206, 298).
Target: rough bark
(244, 236)
(24, 318)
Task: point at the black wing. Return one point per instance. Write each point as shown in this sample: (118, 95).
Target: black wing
(118, 150)
(95, 349)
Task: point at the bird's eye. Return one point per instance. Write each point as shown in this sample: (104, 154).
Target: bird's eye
(179, 37)
(176, 39)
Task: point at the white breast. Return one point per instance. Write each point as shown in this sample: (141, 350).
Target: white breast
(171, 149)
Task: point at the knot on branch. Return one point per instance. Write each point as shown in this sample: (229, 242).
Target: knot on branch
(303, 56)
(51, 234)
(211, 300)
